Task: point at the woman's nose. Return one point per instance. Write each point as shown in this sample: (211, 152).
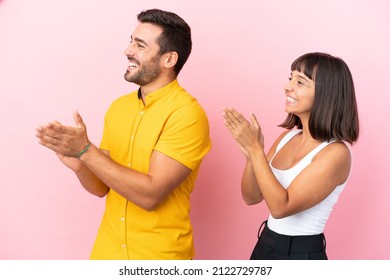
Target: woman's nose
(288, 87)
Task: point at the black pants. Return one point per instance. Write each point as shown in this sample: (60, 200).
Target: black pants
(275, 246)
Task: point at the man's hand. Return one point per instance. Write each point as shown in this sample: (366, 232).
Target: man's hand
(66, 141)
(73, 163)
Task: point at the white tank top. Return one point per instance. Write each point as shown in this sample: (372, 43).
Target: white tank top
(311, 221)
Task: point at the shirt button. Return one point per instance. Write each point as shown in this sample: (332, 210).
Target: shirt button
(132, 138)
(129, 164)
(122, 219)
(123, 245)
(141, 113)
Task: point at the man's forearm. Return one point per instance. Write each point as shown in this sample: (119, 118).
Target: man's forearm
(91, 182)
(144, 190)
(132, 185)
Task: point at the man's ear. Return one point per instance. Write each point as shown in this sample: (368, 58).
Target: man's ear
(170, 59)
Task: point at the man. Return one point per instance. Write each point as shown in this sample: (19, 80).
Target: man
(153, 143)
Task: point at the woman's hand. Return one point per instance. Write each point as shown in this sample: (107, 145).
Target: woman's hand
(247, 133)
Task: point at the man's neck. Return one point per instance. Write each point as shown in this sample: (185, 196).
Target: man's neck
(154, 86)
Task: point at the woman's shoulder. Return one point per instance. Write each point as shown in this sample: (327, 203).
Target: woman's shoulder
(336, 153)
(336, 159)
(337, 147)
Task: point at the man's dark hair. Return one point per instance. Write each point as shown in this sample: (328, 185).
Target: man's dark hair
(176, 35)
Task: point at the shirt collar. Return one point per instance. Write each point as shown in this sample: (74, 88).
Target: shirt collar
(155, 95)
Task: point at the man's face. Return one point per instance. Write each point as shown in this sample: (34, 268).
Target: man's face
(142, 53)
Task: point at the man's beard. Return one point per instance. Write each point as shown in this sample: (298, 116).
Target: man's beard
(146, 73)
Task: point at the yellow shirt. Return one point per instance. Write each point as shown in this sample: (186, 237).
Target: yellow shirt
(171, 122)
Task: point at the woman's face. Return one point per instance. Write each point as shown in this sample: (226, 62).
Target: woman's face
(299, 92)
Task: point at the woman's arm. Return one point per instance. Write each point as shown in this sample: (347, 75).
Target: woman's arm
(328, 169)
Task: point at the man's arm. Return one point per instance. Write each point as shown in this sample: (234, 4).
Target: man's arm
(97, 172)
(89, 181)
(145, 190)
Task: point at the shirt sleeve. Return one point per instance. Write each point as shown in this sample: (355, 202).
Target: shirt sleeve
(185, 136)
(104, 144)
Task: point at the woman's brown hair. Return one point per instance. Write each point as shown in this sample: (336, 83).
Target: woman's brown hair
(334, 114)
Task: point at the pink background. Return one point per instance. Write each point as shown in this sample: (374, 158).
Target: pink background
(61, 56)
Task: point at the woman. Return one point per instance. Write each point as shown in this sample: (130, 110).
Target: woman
(307, 167)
